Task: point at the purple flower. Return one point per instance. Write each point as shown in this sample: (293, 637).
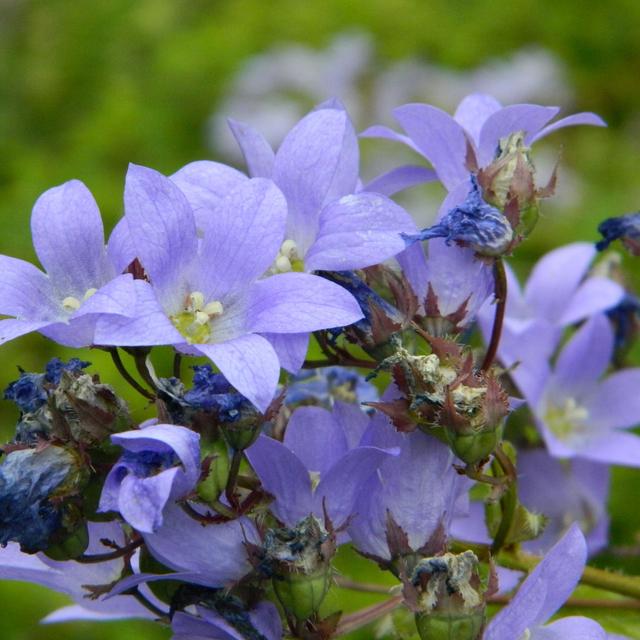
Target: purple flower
(75, 578)
(161, 463)
(474, 132)
(330, 226)
(259, 623)
(322, 463)
(556, 295)
(418, 488)
(578, 413)
(565, 492)
(543, 593)
(80, 282)
(204, 295)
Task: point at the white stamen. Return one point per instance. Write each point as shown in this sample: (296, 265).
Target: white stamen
(89, 293)
(196, 300)
(289, 248)
(70, 303)
(201, 317)
(214, 308)
(283, 264)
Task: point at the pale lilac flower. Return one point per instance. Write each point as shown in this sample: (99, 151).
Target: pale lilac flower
(261, 622)
(204, 295)
(418, 488)
(475, 131)
(558, 293)
(321, 464)
(80, 282)
(161, 463)
(331, 225)
(578, 412)
(72, 578)
(543, 593)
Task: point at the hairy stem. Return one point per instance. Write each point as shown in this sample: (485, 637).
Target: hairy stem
(500, 290)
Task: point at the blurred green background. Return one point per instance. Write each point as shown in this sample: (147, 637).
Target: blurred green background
(87, 86)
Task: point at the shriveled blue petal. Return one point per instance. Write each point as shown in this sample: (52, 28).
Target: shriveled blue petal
(291, 349)
(68, 237)
(296, 302)
(544, 591)
(570, 121)
(340, 485)
(216, 552)
(400, 179)
(585, 357)
(556, 277)
(626, 228)
(317, 162)
(205, 184)
(26, 292)
(241, 239)
(439, 138)
(148, 326)
(162, 228)
(257, 152)
(316, 438)
(284, 476)
(529, 118)
(358, 231)
(250, 364)
(473, 111)
(571, 628)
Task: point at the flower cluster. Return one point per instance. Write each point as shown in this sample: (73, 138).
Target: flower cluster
(221, 515)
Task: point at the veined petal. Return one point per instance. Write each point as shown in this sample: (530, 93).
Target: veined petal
(242, 239)
(284, 476)
(316, 438)
(26, 292)
(68, 237)
(162, 227)
(257, 152)
(439, 138)
(205, 184)
(556, 277)
(473, 111)
(400, 179)
(291, 349)
(414, 266)
(296, 302)
(117, 297)
(585, 357)
(529, 118)
(120, 248)
(250, 364)
(317, 162)
(358, 231)
(570, 121)
(148, 326)
(10, 328)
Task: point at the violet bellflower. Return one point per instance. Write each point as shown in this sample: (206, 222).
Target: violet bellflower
(544, 591)
(75, 579)
(321, 464)
(80, 284)
(204, 295)
(161, 463)
(558, 293)
(472, 133)
(579, 412)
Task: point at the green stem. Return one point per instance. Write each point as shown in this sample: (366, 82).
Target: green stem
(500, 290)
(117, 361)
(111, 555)
(508, 502)
(234, 469)
(177, 361)
(520, 561)
(140, 358)
(366, 616)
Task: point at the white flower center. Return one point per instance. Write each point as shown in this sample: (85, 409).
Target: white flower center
(288, 258)
(567, 419)
(194, 321)
(71, 303)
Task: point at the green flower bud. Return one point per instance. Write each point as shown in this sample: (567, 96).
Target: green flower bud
(450, 625)
(302, 594)
(210, 487)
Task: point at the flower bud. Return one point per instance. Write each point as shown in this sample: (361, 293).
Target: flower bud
(213, 484)
(298, 560)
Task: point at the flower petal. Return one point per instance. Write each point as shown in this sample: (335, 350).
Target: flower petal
(358, 231)
(616, 402)
(284, 476)
(439, 138)
(26, 292)
(242, 239)
(400, 179)
(380, 131)
(291, 349)
(117, 297)
(68, 237)
(570, 121)
(120, 248)
(529, 118)
(10, 328)
(473, 111)
(613, 447)
(296, 302)
(257, 152)
(592, 296)
(162, 226)
(250, 364)
(571, 628)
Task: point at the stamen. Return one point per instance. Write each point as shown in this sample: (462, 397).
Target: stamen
(71, 304)
(283, 264)
(89, 293)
